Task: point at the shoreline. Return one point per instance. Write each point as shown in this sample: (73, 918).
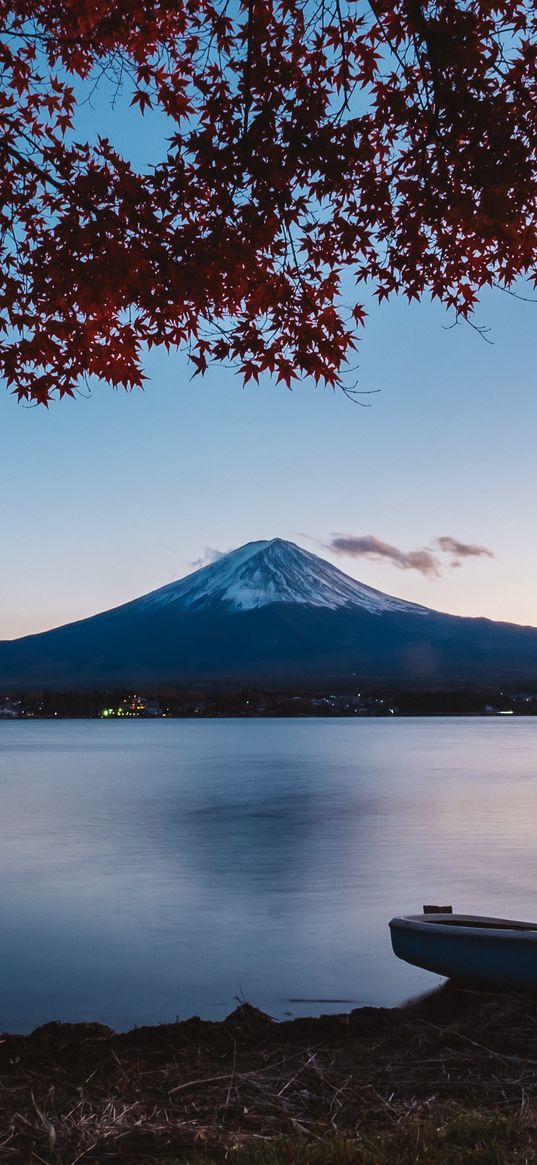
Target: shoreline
(365, 1083)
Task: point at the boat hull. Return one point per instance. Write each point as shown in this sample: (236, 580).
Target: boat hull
(497, 951)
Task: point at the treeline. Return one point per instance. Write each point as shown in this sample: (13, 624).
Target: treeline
(245, 702)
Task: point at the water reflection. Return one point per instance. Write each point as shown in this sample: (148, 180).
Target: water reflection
(155, 869)
(258, 841)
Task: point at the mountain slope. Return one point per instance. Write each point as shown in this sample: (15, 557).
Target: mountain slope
(268, 612)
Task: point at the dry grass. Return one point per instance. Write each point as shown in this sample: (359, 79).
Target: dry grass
(452, 1078)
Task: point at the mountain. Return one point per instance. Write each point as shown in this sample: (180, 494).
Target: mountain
(269, 612)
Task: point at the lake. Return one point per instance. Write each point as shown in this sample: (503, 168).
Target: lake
(154, 870)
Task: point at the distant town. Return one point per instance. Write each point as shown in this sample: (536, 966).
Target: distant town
(173, 704)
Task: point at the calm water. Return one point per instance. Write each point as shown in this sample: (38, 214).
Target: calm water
(155, 870)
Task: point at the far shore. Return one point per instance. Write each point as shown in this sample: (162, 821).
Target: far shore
(340, 699)
(449, 1078)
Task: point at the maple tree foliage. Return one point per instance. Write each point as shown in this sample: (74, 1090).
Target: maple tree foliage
(395, 139)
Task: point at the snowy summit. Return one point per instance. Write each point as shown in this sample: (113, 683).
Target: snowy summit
(262, 573)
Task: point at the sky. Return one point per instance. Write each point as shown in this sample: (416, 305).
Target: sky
(111, 495)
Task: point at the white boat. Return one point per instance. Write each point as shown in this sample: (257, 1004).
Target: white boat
(467, 947)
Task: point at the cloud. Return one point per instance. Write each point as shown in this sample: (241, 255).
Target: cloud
(210, 554)
(424, 560)
(449, 545)
(369, 546)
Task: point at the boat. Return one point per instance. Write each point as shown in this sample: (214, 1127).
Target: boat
(501, 952)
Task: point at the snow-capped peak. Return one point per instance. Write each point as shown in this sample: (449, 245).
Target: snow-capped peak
(261, 573)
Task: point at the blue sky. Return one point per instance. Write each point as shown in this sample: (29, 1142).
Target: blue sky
(107, 497)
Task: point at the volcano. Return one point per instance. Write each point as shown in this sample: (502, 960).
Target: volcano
(272, 613)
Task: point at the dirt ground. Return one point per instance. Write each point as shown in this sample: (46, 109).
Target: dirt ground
(81, 1092)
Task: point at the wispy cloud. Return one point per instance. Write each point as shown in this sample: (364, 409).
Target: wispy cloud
(369, 546)
(425, 560)
(210, 554)
(449, 545)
